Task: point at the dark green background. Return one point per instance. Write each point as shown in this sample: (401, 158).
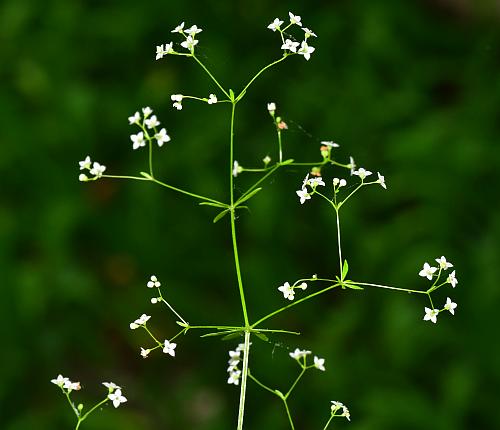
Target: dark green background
(409, 88)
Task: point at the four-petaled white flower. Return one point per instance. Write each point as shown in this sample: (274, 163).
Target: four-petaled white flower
(431, 315)
(303, 195)
(193, 30)
(452, 279)
(111, 386)
(117, 398)
(60, 381)
(97, 169)
(143, 319)
(147, 111)
(234, 377)
(275, 25)
(287, 290)
(298, 353)
(362, 173)
(70, 386)
(319, 363)
(271, 107)
(309, 33)
(427, 271)
(339, 182)
(159, 53)
(450, 306)
(443, 264)
(189, 43)
(290, 46)
(295, 19)
(152, 122)
(137, 140)
(305, 50)
(337, 406)
(85, 164)
(177, 98)
(212, 98)
(381, 180)
(169, 348)
(314, 182)
(135, 118)
(153, 282)
(179, 28)
(330, 143)
(145, 352)
(237, 169)
(162, 137)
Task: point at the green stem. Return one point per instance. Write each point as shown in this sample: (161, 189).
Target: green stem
(265, 387)
(387, 287)
(211, 76)
(244, 377)
(151, 157)
(288, 414)
(279, 146)
(295, 303)
(349, 196)
(75, 410)
(273, 169)
(295, 382)
(179, 190)
(328, 422)
(338, 238)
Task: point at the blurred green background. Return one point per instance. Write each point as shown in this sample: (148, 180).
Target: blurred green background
(409, 88)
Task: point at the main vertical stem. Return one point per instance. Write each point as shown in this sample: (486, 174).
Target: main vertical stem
(246, 350)
(338, 239)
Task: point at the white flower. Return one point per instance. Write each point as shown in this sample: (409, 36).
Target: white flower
(82, 177)
(169, 348)
(266, 160)
(60, 381)
(178, 106)
(154, 300)
(145, 352)
(339, 182)
(143, 319)
(147, 111)
(72, 385)
(443, 264)
(381, 181)
(287, 290)
(117, 398)
(137, 140)
(290, 46)
(237, 169)
(298, 354)
(234, 377)
(295, 19)
(362, 173)
(338, 405)
(427, 271)
(136, 117)
(351, 165)
(275, 25)
(241, 346)
(319, 363)
(314, 182)
(162, 137)
(305, 181)
(271, 107)
(450, 306)
(164, 50)
(309, 33)
(177, 98)
(159, 55)
(193, 30)
(212, 98)
(189, 43)
(302, 286)
(431, 314)
(303, 194)
(153, 282)
(306, 50)
(179, 28)
(152, 122)
(330, 143)
(452, 279)
(85, 164)
(97, 169)
(235, 355)
(111, 386)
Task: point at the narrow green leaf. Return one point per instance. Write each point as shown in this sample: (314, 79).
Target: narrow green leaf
(261, 336)
(289, 161)
(231, 95)
(147, 175)
(220, 215)
(248, 196)
(217, 205)
(182, 324)
(232, 336)
(353, 286)
(345, 269)
(218, 333)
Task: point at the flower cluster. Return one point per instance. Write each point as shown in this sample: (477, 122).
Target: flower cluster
(147, 122)
(340, 407)
(65, 384)
(141, 321)
(289, 290)
(304, 193)
(234, 360)
(95, 169)
(291, 46)
(189, 43)
(300, 355)
(429, 272)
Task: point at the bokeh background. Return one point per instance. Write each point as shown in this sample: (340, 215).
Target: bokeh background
(410, 88)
